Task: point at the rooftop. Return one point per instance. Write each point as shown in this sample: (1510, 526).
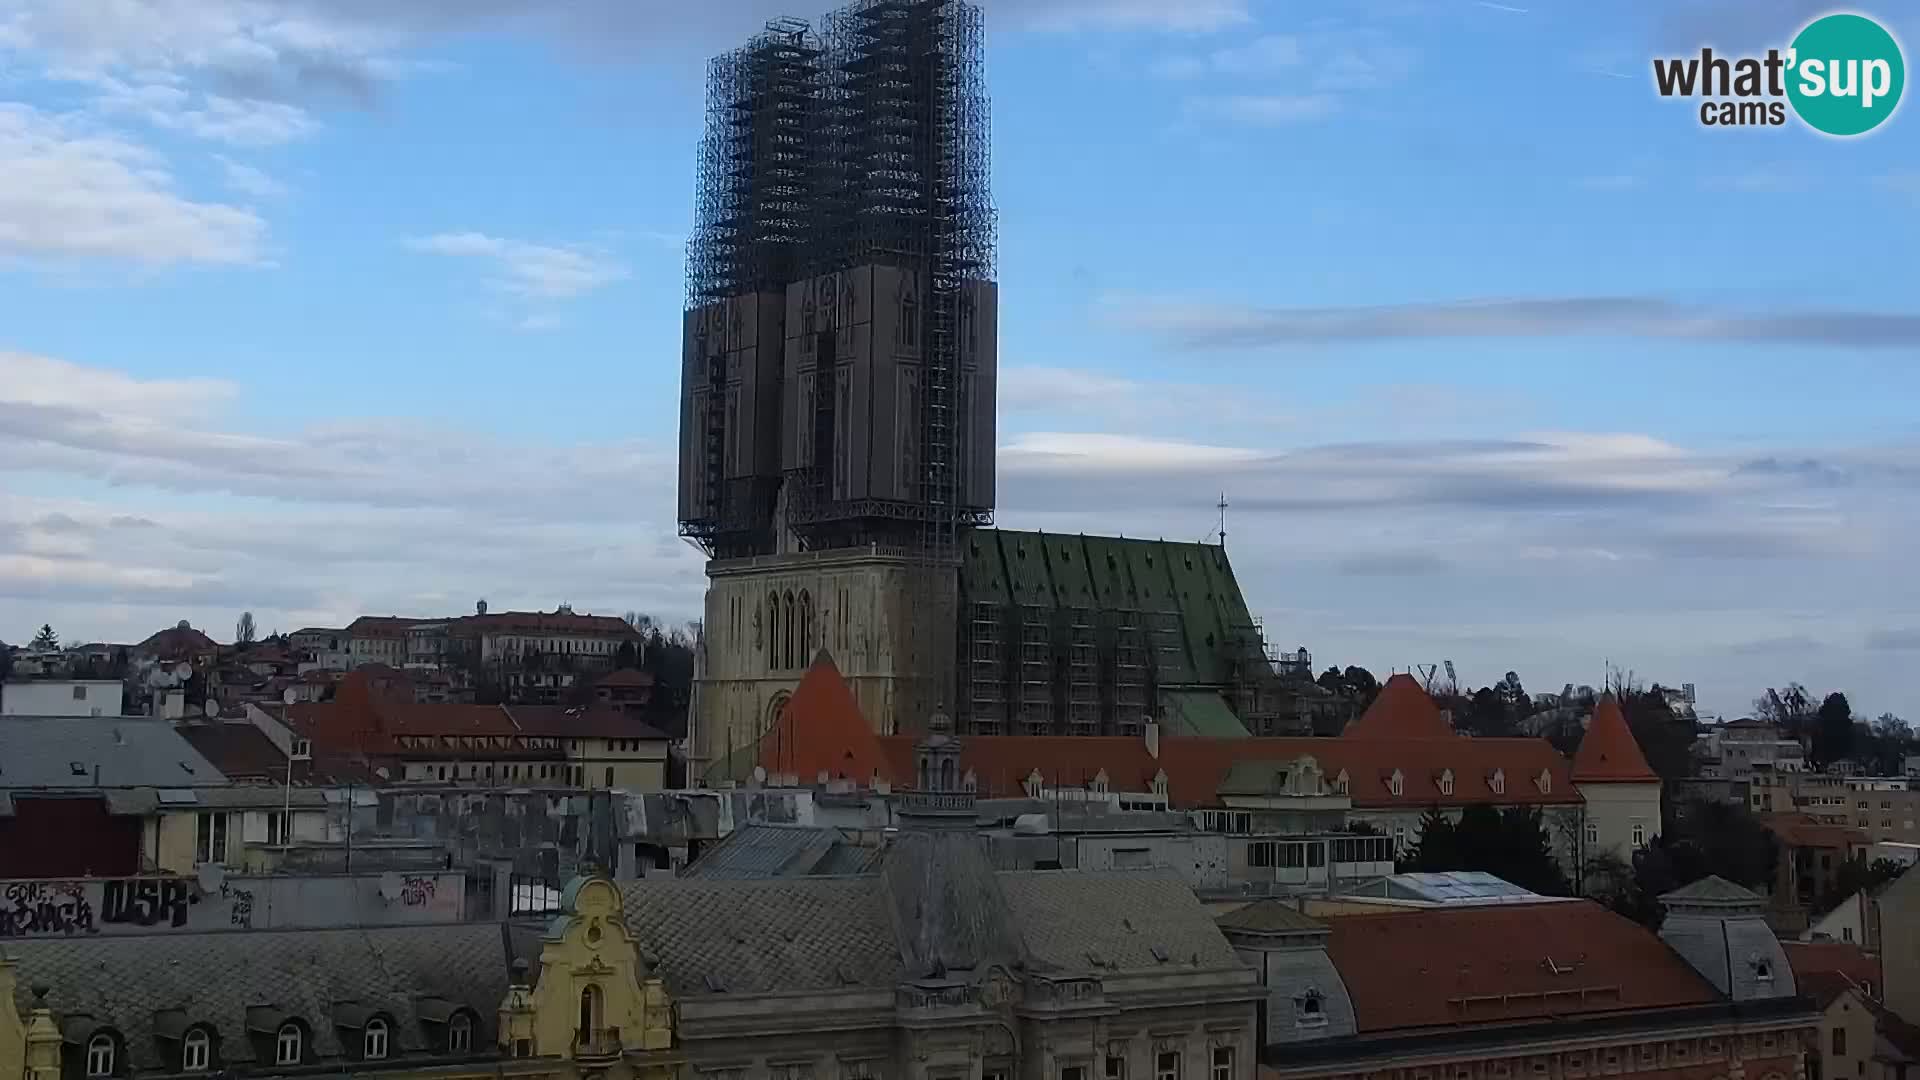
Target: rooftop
(99, 751)
(1449, 966)
(1608, 751)
(1401, 710)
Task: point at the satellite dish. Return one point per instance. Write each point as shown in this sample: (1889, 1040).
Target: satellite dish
(390, 886)
(212, 876)
(759, 774)
(289, 695)
(183, 669)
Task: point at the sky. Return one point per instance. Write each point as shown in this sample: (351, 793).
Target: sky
(317, 308)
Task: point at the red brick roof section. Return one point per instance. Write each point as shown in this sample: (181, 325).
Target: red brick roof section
(1609, 754)
(821, 730)
(1842, 958)
(1001, 764)
(1803, 830)
(592, 722)
(1401, 710)
(1445, 968)
(240, 751)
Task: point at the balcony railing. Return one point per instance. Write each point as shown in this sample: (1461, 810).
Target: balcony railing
(938, 802)
(596, 1044)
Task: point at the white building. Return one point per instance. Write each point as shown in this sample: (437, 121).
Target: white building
(63, 697)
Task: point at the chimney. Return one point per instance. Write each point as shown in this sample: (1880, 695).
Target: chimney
(1153, 739)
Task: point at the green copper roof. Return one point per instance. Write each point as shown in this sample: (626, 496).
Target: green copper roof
(1201, 712)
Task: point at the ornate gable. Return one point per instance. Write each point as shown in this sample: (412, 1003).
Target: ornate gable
(594, 997)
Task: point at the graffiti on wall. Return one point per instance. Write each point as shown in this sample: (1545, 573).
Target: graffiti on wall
(239, 905)
(45, 908)
(146, 901)
(417, 891)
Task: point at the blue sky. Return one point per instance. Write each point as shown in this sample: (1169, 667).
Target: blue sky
(315, 309)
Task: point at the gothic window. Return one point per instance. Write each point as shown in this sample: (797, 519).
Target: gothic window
(788, 627)
(773, 632)
(806, 628)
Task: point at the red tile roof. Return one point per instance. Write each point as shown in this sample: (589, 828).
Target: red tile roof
(543, 622)
(626, 677)
(239, 750)
(592, 722)
(382, 626)
(1196, 766)
(1841, 958)
(1608, 753)
(180, 642)
(1436, 968)
(1001, 764)
(821, 730)
(1402, 709)
(1804, 830)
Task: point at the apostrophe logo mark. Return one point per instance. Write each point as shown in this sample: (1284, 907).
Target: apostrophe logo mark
(1847, 74)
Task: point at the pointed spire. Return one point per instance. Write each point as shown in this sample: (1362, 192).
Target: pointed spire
(1608, 753)
(1401, 710)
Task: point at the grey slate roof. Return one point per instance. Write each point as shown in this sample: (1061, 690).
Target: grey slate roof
(707, 936)
(754, 852)
(121, 982)
(65, 752)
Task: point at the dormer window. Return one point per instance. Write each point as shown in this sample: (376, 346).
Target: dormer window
(1762, 970)
(1446, 782)
(286, 1045)
(374, 1040)
(196, 1051)
(1309, 1010)
(1498, 782)
(101, 1055)
(1397, 783)
(1033, 784)
(460, 1034)
(1545, 782)
(1340, 783)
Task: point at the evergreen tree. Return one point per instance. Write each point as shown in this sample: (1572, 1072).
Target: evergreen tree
(46, 640)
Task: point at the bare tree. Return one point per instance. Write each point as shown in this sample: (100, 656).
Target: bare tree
(245, 630)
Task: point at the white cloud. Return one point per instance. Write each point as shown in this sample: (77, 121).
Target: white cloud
(1263, 56)
(1270, 109)
(537, 271)
(68, 189)
(46, 383)
(248, 180)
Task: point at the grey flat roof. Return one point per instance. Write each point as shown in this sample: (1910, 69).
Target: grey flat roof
(71, 752)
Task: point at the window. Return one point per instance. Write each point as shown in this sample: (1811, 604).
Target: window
(460, 1033)
(374, 1040)
(79, 693)
(210, 845)
(1839, 1044)
(1446, 783)
(1166, 1065)
(589, 1012)
(1763, 971)
(609, 776)
(1593, 833)
(1116, 1067)
(1639, 835)
(100, 1055)
(286, 1045)
(1396, 784)
(1546, 782)
(1309, 1011)
(277, 832)
(1498, 782)
(1073, 1072)
(1223, 1063)
(196, 1051)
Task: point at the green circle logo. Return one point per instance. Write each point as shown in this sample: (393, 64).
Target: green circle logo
(1845, 74)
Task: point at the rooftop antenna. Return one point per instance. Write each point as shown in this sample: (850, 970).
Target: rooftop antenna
(1222, 507)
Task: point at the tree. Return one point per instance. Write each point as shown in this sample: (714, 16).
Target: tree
(1791, 708)
(1857, 874)
(1486, 715)
(46, 640)
(1833, 735)
(1510, 844)
(1511, 693)
(245, 630)
(626, 656)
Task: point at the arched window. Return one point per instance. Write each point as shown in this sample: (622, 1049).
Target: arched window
(100, 1055)
(460, 1034)
(789, 619)
(374, 1040)
(806, 628)
(589, 1012)
(948, 781)
(773, 632)
(196, 1051)
(286, 1045)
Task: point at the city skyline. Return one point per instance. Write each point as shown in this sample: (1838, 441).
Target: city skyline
(1497, 357)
